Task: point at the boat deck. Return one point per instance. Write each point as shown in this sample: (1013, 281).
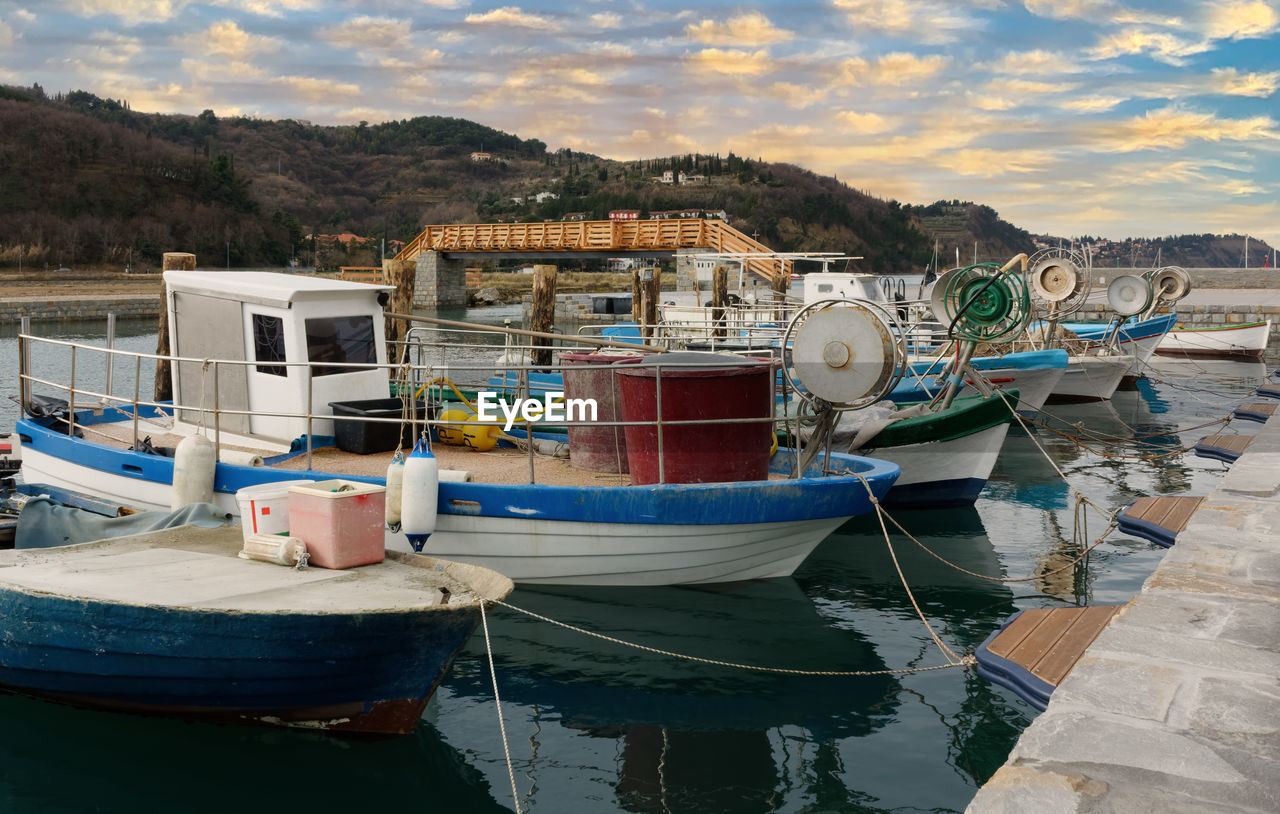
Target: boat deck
(502, 465)
(189, 567)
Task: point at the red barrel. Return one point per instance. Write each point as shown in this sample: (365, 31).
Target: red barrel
(587, 376)
(698, 386)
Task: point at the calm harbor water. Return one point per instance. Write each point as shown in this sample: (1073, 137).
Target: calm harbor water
(593, 726)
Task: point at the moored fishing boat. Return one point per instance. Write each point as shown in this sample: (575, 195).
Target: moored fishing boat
(1138, 338)
(174, 623)
(1034, 374)
(263, 391)
(1247, 340)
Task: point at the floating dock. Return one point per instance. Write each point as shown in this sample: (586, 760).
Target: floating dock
(1225, 448)
(1258, 412)
(1176, 706)
(1158, 519)
(1036, 649)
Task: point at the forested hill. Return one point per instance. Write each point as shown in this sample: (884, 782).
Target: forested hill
(88, 181)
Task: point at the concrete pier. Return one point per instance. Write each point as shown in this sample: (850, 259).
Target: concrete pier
(1176, 706)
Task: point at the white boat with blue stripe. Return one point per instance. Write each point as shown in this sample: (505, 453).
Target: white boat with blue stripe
(259, 357)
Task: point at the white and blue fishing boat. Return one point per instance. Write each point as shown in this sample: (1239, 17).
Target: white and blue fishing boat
(1034, 374)
(1134, 337)
(259, 357)
(173, 622)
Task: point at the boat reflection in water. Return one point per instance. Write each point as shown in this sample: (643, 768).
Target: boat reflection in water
(127, 763)
(686, 735)
(970, 731)
(661, 734)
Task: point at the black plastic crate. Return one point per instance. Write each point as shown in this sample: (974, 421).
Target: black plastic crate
(364, 437)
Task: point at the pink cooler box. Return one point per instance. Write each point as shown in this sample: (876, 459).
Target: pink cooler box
(340, 521)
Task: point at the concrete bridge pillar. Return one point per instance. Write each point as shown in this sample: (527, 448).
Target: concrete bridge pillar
(687, 271)
(439, 282)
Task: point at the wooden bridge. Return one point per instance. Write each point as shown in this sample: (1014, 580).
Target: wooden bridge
(654, 238)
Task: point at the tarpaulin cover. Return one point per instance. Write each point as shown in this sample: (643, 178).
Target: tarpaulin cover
(45, 523)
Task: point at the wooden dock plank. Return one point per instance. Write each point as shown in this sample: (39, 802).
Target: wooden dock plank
(1054, 625)
(1017, 631)
(1171, 513)
(1230, 443)
(1180, 512)
(1267, 409)
(1067, 650)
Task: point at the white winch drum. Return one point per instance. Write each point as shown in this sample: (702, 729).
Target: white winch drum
(843, 353)
(1128, 295)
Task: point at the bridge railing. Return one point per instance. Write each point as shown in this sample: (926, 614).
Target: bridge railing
(595, 235)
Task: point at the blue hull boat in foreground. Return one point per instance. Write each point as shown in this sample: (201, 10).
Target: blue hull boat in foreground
(173, 622)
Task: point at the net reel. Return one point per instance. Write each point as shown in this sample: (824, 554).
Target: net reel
(1170, 284)
(1060, 281)
(1129, 295)
(843, 354)
(982, 304)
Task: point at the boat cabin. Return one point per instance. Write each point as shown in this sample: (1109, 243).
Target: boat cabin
(841, 285)
(273, 320)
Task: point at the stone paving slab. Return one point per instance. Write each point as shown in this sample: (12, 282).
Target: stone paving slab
(1176, 706)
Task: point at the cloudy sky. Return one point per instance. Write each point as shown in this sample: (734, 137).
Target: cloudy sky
(1067, 116)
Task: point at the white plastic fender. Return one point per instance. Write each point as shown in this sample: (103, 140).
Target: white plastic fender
(420, 495)
(274, 548)
(395, 488)
(193, 468)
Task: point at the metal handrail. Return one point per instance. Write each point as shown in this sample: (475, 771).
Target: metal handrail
(109, 400)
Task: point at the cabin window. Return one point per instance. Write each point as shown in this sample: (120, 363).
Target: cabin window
(268, 344)
(825, 288)
(348, 340)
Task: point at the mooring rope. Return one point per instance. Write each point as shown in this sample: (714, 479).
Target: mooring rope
(1141, 441)
(502, 725)
(1111, 526)
(719, 662)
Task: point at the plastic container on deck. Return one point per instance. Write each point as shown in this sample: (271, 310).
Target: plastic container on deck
(695, 386)
(341, 522)
(587, 376)
(364, 437)
(264, 509)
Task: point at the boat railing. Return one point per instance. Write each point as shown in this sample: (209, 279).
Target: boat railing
(421, 377)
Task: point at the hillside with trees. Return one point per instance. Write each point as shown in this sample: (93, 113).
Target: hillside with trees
(89, 181)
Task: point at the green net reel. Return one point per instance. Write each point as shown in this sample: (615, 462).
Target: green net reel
(980, 303)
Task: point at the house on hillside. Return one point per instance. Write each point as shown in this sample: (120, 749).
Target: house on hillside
(480, 157)
(624, 214)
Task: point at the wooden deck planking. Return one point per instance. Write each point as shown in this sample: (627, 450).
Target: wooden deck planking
(1170, 513)
(1047, 642)
(1068, 649)
(1230, 443)
(1017, 631)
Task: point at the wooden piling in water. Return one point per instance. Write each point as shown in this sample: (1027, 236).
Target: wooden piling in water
(176, 261)
(543, 314)
(719, 296)
(652, 292)
(399, 273)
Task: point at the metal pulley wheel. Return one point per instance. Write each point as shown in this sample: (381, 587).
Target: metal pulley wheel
(846, 353)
